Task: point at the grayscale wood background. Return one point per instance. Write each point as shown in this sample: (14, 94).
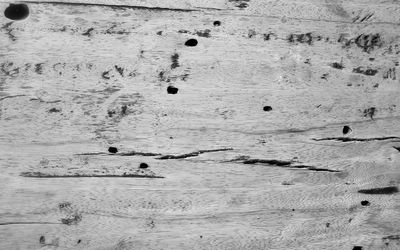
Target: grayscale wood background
(78, 78)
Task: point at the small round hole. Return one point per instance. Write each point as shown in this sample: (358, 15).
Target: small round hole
(217, 23)
(191, 42)
(267, 108)
(17, 11)
(143, 165)
(113, 150)
(365, 203)
(346, 129)
(172, 90)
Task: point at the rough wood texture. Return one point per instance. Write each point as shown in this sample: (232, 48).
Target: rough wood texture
(78, 78)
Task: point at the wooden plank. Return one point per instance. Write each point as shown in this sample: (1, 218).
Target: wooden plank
(78, 77)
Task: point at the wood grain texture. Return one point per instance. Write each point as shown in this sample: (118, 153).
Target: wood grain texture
(78, 77)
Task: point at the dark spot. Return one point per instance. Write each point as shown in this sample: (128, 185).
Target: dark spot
(201, 236)
(191, 42)
(371, 59)
(267, 108)
(174, 59)
(365, 203)
(376, 85)
(72, 219)
(357, 248)
(42, 240)
(87, 33)
(337, 65)
(123, 110)
(204, 33)
(172, 90)
(301, 38)
(325, 76)
(251, 33)
(161, 76)
(120, 70)
(159, 33)
(111, 113)
(39, 68)
(242, 5)
(384, 190)
(391, 74)
(183, 31)
(17, 11)
(54, 110)
(346, 129)
(79, 241)
(143, 165)
(293, 209)
(113, 150)
(369, 112)
(105, 75)
(307, 61)
(391, 237)
(64, 205)
(368, 42)
(217, 23)
(267, 37)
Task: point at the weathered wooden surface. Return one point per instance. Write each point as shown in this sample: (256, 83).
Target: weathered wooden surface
(76, 79)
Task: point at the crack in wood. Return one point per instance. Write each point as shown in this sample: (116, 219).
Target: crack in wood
(281, 163)
(11, 96)
(132, 153)
(26, 223)
(192, 154)
(162, 157)
(383, 190)
(44, 175)
(112, 6)
(348, 139)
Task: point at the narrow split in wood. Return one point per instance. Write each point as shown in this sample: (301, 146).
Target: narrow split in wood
(112, 6)
(348, 139)
(282, 163)
(124, 175)
(192, 154)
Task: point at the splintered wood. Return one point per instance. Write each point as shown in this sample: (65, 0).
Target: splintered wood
(224, 124)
